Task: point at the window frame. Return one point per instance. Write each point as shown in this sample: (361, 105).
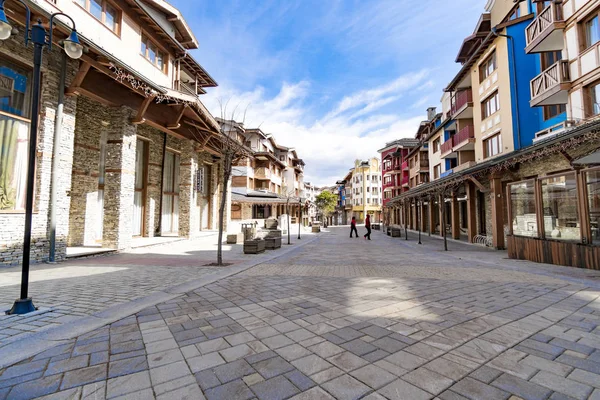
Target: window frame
(486, 101)
(484, 66)
(589, 98)
(535, 206)
(584, 214)
(486, 153)
(584, 23)
(540, 205)
(159, 48)
(118, 19)
(436, 145)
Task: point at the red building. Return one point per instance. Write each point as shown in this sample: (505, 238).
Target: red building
(394, 167)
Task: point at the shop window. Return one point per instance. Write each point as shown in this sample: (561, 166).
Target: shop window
(522, 207)
(593, 196)
(559, 202)
(15, 87)
(492, 146)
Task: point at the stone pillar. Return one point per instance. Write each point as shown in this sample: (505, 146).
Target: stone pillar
(441, 211)
(455, 217)
(189, 212)
(471, 211)
(119, 184)
(422, 216)
(497, 201)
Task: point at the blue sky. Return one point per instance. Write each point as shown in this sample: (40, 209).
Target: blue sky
(335, 79)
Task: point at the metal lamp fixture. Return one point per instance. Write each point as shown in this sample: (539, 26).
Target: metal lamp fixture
(40, 38)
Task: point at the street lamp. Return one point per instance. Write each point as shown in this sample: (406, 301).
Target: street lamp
(40, 38)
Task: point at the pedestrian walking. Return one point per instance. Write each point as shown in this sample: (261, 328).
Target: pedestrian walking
(368, 226)
(353, 227)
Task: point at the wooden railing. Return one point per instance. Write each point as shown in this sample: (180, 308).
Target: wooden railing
(556, 74)
(404, 165)
(447, 146)
(262, 173)
(460, 99)
(551, 14)
(466, 133)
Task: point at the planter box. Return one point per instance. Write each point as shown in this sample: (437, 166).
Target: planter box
(376, 227)
(272, 234)
(236, 238)
(316, 229)
(271, 223)
(254, 246)
(272, 243)
(396, 232)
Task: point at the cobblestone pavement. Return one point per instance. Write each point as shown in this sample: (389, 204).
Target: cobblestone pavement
(68, 291)
(345, 318)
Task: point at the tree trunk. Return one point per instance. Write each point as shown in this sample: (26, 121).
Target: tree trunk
(226, 175)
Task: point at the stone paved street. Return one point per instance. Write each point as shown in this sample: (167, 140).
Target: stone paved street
(342, 318)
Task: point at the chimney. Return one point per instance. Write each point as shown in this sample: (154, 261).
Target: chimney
(431, 113)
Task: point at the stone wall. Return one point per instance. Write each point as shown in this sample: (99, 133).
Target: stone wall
(11, 234)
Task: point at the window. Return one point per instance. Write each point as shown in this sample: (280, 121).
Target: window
(593, 198)
(437, 171)
(153, 54)
(516, 13)
(559, 201)
(368, 176)
(492, 146)
(522, 208)
(488, 67)
(104, 12)
(550, 58)
(490, 106)
(436, 145)
(592, 31)
(15, 88)
(594, 98)
(554, 110)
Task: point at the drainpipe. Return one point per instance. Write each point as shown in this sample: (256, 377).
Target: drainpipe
(58, 122)
(514, 85)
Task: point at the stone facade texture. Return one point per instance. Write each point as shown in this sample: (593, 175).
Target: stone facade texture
(11, 234)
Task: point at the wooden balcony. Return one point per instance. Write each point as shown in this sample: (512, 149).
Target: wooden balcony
(545, 33)
(464, 140)
(446, 147)
(551, 86)
(404, 166)
(262, 173)
(462, 104)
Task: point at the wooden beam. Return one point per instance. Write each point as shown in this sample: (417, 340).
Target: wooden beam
(164, 129)
(189, 122)
(103, 69)
(84, 68)
(139, 118)
(81, 91)
(497, 197)
(471, 211)
(175, 124)
(481, 188)
(567, 157)
(455, 217)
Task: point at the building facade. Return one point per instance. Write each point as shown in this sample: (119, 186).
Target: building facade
(366, 190)
(139, 154)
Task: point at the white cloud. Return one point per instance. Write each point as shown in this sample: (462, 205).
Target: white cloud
(356, 128)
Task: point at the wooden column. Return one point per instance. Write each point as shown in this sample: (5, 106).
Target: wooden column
(441, 209)
(471, 211)
(497, 203)
(422, 216)
(431, 215)
(455, 217)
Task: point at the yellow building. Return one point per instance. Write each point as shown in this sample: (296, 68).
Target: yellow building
(366, 190)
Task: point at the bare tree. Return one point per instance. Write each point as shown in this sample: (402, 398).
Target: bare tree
(288, 195)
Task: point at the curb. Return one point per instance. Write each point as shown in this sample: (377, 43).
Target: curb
(37, 342)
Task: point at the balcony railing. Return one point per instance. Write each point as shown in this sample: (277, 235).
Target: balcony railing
(460, 99)
(466, 133)
(262, 173)
(546, 86)
(404, 166)
(447, 146)
(547, 21)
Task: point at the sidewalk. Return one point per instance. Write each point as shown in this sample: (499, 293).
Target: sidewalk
(76, 288)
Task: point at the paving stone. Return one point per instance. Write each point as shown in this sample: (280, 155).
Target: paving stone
(35, 388)
(402, 390)
(191, 391)
(543, 347)
(405, 360)
(576, 362)
(300, 335)
(23, 369)
(201, 363)
(326, 375)
(347, 361)
(450, 395)
(522, 388)
(326, 349)
(347, 334)
(254, 358)
(233, 370)
(484, 374)
(252, 379)
(277, 388)
(127, 366)
(90, 348)
(69, 394)
(310, 365)
(373, 376)
(169, 372)
(272, 367)
(578, 347)
(300, 380)
(128, 384)
(389, 345)
(278, 341)
(164, 357)
(346, 388)
(333, 338)
(376, 356)
(212, 345)
(67, 365)
(562, 385)
(126, 347)
(239, 338)
(547, 365)
(207, 379)
(586, 377)
(237, 352)
(358, 347)
(313, 394)
(476, 390)
(232, 390)
(427, 380)
(84, 376)
(376, 332)
(292, 352)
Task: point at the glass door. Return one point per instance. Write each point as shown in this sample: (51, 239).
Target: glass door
(140, 188)
(170, 196)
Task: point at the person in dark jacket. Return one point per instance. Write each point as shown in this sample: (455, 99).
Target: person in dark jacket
(368, 226)
(353, 227)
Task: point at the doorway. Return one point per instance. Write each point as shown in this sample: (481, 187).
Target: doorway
(139, 197)
(170, 195)
(204, 190)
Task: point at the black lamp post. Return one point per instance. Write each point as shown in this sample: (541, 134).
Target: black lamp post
(40, 38)
(300, 221)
